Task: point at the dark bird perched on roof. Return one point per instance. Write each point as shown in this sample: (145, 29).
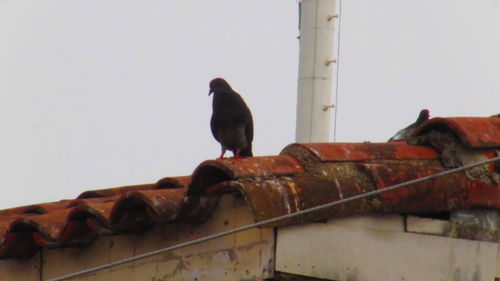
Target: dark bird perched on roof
(403, 134)
(231, 123)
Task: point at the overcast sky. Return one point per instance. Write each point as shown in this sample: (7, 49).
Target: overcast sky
(98, 94)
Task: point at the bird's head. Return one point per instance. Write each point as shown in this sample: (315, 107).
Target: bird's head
(218, 84)
(424, 115)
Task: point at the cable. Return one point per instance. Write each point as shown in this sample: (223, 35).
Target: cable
(273, 220)
(337, 78)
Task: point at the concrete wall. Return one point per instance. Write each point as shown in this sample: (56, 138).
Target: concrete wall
(27, 270)
(379, 249)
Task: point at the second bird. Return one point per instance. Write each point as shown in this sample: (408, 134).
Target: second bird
(231, 122)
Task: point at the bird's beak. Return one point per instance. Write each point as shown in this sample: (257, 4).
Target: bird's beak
(210, 92)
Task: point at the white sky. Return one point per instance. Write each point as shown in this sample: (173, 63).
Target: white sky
(98, 94)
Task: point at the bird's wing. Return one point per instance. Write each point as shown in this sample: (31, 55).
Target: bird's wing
(244, 116)
(249, 127)
(213, 127)
(400, 135)
(231, 111)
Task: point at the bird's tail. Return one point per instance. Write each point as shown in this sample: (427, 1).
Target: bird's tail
(247, 151)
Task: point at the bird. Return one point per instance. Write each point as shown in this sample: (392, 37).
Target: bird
(231, 122)
(403, 134)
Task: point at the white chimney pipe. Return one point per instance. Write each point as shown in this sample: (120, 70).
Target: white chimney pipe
(314, 95)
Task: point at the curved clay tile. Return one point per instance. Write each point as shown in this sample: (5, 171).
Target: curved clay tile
(59, 228)
(434, 196)
(173, 182)
(475, 132)
(337, 152)
(115, 191)
(18, 245)
(269, 198)
(212, 172)
(137, 210)
(162, 205)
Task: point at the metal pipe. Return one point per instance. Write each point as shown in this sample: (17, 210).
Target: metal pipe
(315, 70)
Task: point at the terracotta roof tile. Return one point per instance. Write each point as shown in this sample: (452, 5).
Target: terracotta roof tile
(212, 172)
(302, 176)
(167, 182)
(327, 152)
(161, 205)
(473, 131)
(442, 194)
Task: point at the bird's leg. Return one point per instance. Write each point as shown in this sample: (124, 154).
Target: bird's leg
(223, 150)
(237, 154)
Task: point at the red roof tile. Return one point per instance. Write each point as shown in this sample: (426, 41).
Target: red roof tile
(327, 152)
(473, 131)
(301, 177)
(212, 172)
(441, 194)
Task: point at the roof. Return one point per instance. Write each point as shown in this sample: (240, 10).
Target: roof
(300, 177)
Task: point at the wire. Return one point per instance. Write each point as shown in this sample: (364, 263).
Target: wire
(337, 78)
(273, 220)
